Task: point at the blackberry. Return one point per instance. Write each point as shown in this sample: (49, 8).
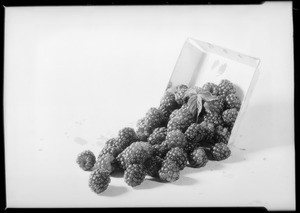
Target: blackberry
(112, 142)
(180, 93)
(222, 135)
(177, 155)
(113, 150)
(106, 163)
(154, 118)
(160, 150)
(190, 147)
(226, 87)
(173, 114)
(211, 87)
(99, 180)
(134, 174)
(169, 171)
(213, 118)
(158, 136)
(153, 165)
(215, 106)
(208, 131)
(229, 116)
(193, 133)
(175, 139)
(182, 120)
(232, 101)
(136, 153)
(175, 124)
(168, 104)
(126, 136)
(86, 160)
(218, 152)
(197, 158)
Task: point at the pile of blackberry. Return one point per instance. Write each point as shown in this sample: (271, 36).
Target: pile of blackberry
(191, 126)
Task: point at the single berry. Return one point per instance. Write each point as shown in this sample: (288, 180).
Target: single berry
(215, 106)
(181, 120)
(222, 135)
(134, 174)
(109, 149)
(136, 153)
(168, 104)
(153, 165)
(213, 118)
(208, 131)
(106, 163)
(180, 93)
(99, 180)
(218, 152)
(126, 136)
(177, 155)
(226, 87)
(193, 133)
(229, 116)
(211, 87)
(175, 139)
(169, 171)
(86, 160)
(197, 158)
(158, 135)
(154, 118)
(232, 101)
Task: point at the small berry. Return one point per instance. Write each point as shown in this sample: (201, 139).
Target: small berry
(158, 136)
(169, 171)
(197, 158)
(229, 116)
(232, 101)
(226, 87)
(177, 155)
(86, 160)
(134, 174)
(175, 139)
(180, 93)
(218, 152)
(99, 181)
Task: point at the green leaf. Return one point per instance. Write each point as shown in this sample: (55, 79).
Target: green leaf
(199, 104)
(190, 92)
(207, 96)
(192, 104)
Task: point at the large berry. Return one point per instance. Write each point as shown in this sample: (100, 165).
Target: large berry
(86, 160)
(154, 118)
(99, 180)
(175, 139)
(180, 93)
(197, 158)
(222, 135)
(232, 101)
(178, 155)
(168, 104)
(169, 171)
(194, 133)
(106, 162)
(134, 174)
(126, 136)
(229, 116)
(158, 135)
(226, 87)
(214, 118)
(208, 130)
(211, 87)
(181, 120)
(153, 165)
(218, 152)
(136, 153)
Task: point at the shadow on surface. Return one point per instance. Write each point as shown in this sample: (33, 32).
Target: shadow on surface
(113, 191)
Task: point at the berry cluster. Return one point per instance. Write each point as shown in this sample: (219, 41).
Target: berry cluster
(191, 126)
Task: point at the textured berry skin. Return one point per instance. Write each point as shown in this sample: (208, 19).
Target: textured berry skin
(160, 150)
(180, 93)
(232, 101)
(226, 87)
(197, 158)
(136, 153)
(169, 171)
(86, 160)
(134, 174)
(215, 106)
(175, 139)
(126, 136)
(229, 116)
(153, 165)
(214, 118)
(211, 87)
(158, 135)
(109, 149)
(112, 142)
(222, 135)
(181, 120)
(168, 104)
(193, 133)
(177, 155)
(190, 147)
(106, 163)
(218, 152)
(99, 181)
(208, 131)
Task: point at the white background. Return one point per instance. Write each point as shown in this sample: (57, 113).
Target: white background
(74, 76)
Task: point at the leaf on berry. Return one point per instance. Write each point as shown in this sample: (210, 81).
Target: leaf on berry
(192, 104)
(199, 104)
(207, 96)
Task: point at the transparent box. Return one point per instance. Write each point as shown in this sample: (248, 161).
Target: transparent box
(200, 62)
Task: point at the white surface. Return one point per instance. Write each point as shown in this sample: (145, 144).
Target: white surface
(74, 76)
